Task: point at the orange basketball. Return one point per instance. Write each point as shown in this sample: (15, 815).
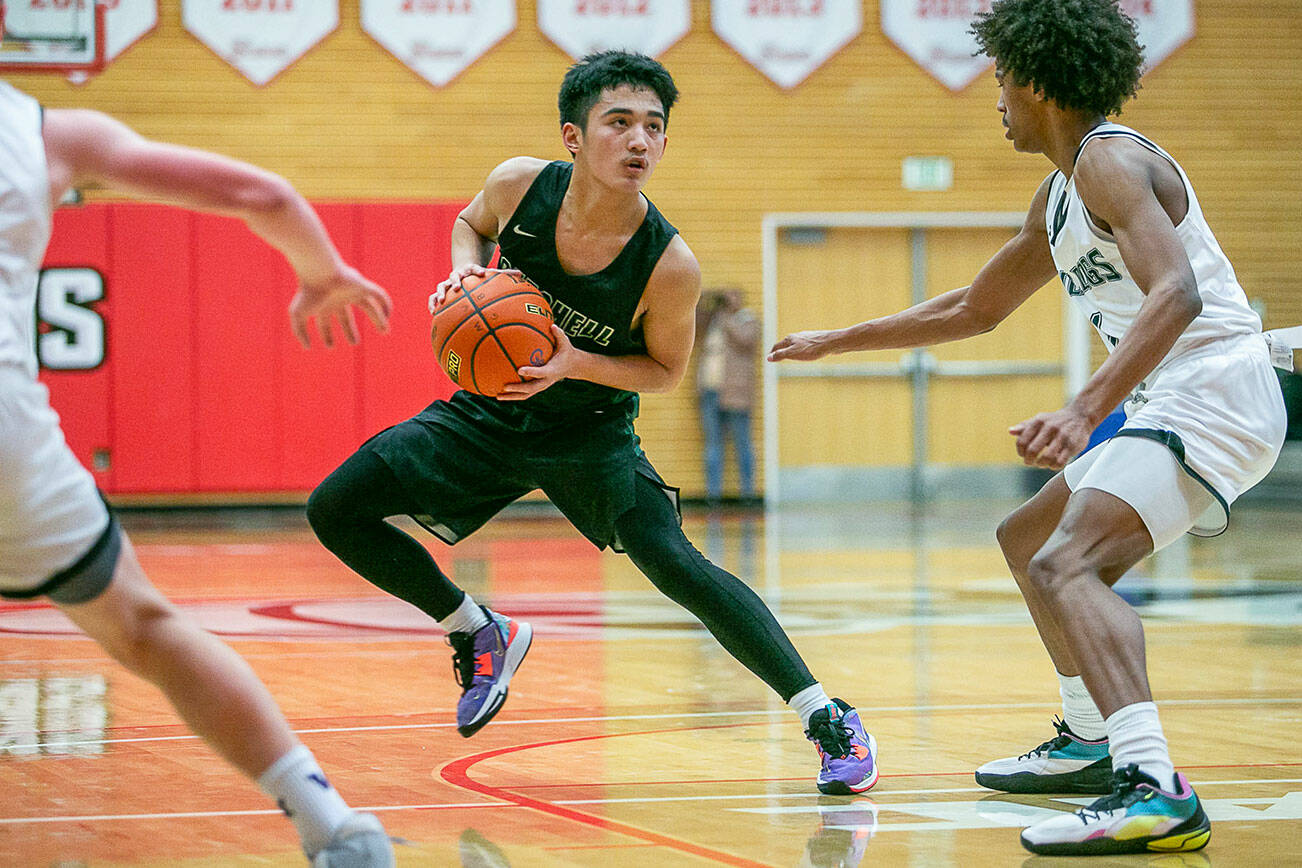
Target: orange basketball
(488, 328)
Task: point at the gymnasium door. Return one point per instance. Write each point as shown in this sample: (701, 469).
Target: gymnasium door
(895, 424)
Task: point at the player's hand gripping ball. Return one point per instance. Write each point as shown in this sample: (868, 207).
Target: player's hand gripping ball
(488, 328)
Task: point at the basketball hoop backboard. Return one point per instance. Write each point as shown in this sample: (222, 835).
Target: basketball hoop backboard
(52, 35)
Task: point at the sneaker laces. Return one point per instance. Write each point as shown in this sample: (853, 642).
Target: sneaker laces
(463, 652)
(1125, 783)
(1058, 742)
(463, 659)
(832, 735)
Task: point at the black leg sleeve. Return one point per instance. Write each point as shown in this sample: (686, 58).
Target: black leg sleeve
(347, 513)
(735, 614)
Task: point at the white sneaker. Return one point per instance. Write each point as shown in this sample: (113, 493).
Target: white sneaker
(359, 842)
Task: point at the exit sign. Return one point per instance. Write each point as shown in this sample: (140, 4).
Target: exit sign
(927, 173)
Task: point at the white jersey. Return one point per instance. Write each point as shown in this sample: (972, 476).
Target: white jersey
(1213, 402)
(50, 513)
(1098, 281)
(25, 222)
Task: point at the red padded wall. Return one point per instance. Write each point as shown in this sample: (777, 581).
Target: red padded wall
(239, 288)
(204, 388)
(400, 376)
(319, 387)
(151, 347)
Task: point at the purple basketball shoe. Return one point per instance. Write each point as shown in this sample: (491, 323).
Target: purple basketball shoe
(484, 663)
(849, 754)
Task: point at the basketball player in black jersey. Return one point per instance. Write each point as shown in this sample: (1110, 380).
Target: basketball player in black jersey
(623, 286)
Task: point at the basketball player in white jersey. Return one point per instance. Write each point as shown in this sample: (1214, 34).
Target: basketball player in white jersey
(1119, 223)
(57, 538)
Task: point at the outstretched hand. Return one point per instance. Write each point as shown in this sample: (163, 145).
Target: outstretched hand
(802, 346)
(333, 299)
(1052, 439)
(535, 379)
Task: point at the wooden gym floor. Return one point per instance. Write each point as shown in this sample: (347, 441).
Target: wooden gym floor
(630, 738)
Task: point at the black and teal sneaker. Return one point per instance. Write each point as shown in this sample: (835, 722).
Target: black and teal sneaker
(1065, 763)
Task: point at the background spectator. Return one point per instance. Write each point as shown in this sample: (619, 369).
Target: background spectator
(728, 336)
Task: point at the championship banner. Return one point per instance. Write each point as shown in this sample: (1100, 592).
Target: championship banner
(580, 27)
(438, 39)
(1164, 25)
(786, 39)
(934, 33)
(125, 22)
(260, 38)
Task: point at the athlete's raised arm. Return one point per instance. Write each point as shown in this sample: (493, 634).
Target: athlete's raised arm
(1012, 275)
(1116, 181)
(85, 148)
(474, 234)
(668, 321)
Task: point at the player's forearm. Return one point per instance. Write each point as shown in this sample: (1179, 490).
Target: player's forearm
(267, 203)
(468, 246)
(1163, 317)
(281, 217)
(635, 373)
(937, 320)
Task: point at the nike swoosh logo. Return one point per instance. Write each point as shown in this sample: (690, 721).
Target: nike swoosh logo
(518, 231)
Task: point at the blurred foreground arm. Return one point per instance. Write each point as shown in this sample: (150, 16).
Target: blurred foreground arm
(87, 149)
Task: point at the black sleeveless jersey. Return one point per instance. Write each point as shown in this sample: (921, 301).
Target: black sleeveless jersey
(595, 310)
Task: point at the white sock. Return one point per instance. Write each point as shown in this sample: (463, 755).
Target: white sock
(466, 618)
(1135, 736)
(301, 790)
(807, 701)
(1079, 710)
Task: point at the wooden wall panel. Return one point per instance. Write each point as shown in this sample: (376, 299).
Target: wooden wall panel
(350, 122)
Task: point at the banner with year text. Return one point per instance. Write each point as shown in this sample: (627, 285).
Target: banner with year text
(438, 39)
(260, 38)
(125, 22)
(936, 33)
(581, 27)
(787, 39)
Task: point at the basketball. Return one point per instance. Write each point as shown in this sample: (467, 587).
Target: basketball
(490, 327)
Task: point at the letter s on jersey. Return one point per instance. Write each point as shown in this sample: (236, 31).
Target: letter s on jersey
(74, 340)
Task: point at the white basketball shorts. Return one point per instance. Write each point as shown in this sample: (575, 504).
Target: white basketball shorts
(51, 514)
(1202, 429)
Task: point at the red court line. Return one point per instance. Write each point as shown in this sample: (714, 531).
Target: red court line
(457, 774)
